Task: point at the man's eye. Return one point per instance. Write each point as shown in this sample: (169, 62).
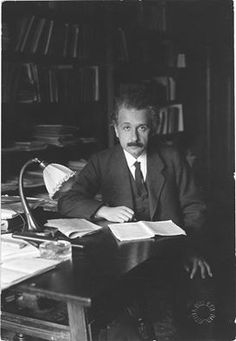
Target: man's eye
(143, 128)
(126, 128)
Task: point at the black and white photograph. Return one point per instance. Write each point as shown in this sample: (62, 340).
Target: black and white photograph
(118, 170)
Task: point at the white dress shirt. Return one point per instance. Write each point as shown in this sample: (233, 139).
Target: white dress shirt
(131, 161)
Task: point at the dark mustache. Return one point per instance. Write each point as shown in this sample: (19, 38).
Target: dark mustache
(134, 144)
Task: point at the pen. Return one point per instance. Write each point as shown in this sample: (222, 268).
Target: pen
(77, 246)
(28, 239)
(33, 239)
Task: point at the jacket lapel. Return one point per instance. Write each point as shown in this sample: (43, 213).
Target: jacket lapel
(155, 180)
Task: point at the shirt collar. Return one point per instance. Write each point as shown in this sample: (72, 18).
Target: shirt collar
(131, 160)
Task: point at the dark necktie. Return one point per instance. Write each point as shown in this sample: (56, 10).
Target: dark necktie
(139, 181)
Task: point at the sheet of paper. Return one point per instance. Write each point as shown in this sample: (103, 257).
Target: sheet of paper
(29, 265)
(73, 227)
(18, 268)
(10, 277)
(165, 228)
(15, 248)
(131, 231)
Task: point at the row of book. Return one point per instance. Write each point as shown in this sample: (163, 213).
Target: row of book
(49, 37)
(32, 83)
(43, 36)
(130, 46)
(152, 15)
(162, 89)
(171, 120)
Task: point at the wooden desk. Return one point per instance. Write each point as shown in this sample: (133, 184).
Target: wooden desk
(79, 281)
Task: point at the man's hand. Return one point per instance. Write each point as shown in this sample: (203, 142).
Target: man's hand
(119, 214)
(195, 264)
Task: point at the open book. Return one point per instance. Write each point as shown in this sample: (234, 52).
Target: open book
(73, 227)
(145, 229)
(20, 260)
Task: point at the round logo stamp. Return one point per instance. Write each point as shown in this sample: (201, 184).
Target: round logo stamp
(203, 312)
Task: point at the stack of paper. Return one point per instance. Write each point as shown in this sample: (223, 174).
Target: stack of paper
(20, 260)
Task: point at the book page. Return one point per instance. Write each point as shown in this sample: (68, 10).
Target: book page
(73, 227)
(17, 269)
(15, 248)
(164, 228)
(10, 277)
(29, 265)
(131, 231)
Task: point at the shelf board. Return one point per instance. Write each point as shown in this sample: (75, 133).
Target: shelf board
(135, 70)
(11, 56)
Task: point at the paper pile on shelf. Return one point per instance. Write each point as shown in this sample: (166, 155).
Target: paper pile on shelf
(56, 134)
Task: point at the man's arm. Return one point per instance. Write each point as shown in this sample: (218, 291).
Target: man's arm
(191, 200)
(194, 216)
(80, 200)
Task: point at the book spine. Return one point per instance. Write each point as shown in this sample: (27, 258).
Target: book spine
(22, 29)
(29, 73)
(55, 86)
(49, 37)
(27, 33)
(171, 115)
(65, 48)
(38, 34)
(160, 118)
(172, 88)
(75, 42)
(165, 121)
(50, 86)
(35, 73)
(181, 117)
(123, 45)
(96, 83)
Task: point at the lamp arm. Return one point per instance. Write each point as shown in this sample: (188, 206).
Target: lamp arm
(32, 224)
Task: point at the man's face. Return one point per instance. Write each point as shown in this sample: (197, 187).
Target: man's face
(132, 129)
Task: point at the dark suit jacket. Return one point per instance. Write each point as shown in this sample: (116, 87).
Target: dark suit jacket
(172, 190)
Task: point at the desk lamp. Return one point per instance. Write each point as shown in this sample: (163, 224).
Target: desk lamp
(56, 177)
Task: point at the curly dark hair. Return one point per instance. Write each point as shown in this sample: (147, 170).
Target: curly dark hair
(139, 97)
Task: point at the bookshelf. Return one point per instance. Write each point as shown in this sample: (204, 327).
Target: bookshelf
(63, 63)
(79, 54)
(54, 71)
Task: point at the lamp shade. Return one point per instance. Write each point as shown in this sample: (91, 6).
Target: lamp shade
(55, 176)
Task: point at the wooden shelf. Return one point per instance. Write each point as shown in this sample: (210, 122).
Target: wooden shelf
(16, 57)
(136, 71)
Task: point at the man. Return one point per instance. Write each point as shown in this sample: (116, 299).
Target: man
(139, 181)
(170, 189)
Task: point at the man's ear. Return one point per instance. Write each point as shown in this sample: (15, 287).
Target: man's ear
(116, 130)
